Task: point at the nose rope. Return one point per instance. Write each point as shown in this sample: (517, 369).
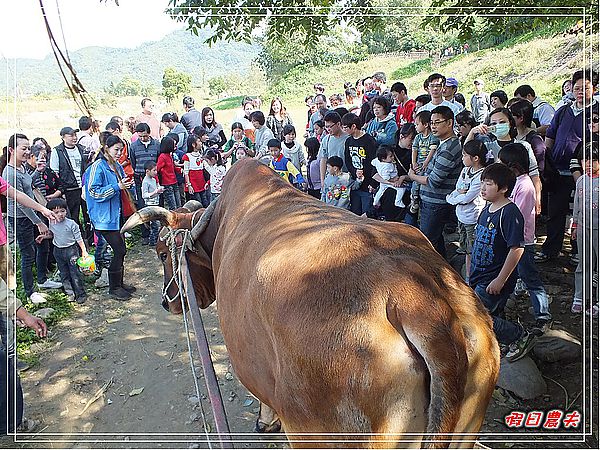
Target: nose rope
(176, 263)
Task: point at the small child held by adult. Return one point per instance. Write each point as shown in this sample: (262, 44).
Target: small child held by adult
(523, 195)
(217, 169)
(385, 164)
(424, 146)
(151, 194)
(585, 228)
(337, 185)
(497, 248)
(68, 246)
(467, 197)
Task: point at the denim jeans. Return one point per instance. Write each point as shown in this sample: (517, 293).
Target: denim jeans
(169, 197)
(140, 203)
(214, 196)
(154, 226)
(433, 218)
(66, 259)
(506, 331)
(8, 381)
(24, 232)
(528, 272)
(361, 202)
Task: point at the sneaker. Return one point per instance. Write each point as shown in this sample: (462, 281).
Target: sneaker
(541, 257)
(593, 311)
(577, 306)
(541, 326)
(81, 299)
(49, 284)
(102, 282)
(520, 289)
(521, 346)
(414, 207)
(37, 298)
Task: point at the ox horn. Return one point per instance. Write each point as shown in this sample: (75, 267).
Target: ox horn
(204, 220)
(192, 205)
(147, 214)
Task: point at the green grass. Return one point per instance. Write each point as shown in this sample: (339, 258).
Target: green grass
(414, 68)
(228, 103)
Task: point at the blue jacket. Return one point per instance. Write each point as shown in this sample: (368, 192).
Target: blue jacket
(383, 131)
(103, 195)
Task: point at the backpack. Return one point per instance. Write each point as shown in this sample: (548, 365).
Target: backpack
(535, 119)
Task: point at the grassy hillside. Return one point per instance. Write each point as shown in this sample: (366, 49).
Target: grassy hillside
(98, 66)
(541, 62)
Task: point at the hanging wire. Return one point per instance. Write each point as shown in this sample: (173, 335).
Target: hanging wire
(62, 29)
(78, 92)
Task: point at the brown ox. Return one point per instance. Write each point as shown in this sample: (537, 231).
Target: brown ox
(338, 323)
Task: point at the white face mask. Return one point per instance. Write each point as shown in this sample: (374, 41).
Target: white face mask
(502, 129)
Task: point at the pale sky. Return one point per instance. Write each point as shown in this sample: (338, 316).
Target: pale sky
(85, 23)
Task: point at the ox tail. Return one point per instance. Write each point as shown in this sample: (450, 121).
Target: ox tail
(435, 334)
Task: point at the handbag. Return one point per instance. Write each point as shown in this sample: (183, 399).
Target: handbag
(127, 204)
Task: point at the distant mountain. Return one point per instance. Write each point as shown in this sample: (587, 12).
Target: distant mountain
(96, 67)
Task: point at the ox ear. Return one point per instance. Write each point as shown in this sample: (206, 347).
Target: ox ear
(149, 213)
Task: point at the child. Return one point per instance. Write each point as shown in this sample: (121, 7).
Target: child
(319, 128)
(237, 137)
(216, 167)
(385, 163)
(467, 197)
(243, 152)
(284, 166)
(165, 168)
(151, 194)
(516, 157)
(66, 238)
(313, 171)
(585, 227)
(292, 150)
(424, 146)
(497, 248)
(193, 172)
(337, 186)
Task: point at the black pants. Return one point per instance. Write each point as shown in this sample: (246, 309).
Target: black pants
(116, 241)
(140, 202)
(559, 196)
(316, 193)
(73, 198)
(66, 259)
(9, 380)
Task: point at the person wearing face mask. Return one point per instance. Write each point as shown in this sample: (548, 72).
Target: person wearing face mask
(503, 127)
(143, 150)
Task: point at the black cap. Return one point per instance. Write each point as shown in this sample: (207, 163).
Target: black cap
(67, 130)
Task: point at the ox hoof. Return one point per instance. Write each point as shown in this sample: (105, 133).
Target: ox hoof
(261, 427)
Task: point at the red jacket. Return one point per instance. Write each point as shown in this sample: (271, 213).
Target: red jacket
(404, 113)
(166, 169)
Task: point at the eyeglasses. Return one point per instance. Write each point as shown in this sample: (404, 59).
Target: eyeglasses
(437, 122)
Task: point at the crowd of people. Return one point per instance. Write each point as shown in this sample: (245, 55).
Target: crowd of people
(487, 168)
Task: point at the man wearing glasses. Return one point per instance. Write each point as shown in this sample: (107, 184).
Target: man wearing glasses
(437, 83)
(440, 178)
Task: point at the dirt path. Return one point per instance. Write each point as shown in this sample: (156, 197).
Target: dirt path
(136, 344)
(133, 345)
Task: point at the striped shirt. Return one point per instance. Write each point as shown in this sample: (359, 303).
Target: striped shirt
(443, 171)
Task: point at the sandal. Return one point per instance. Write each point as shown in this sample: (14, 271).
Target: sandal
(577, 306)
(593, 311)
